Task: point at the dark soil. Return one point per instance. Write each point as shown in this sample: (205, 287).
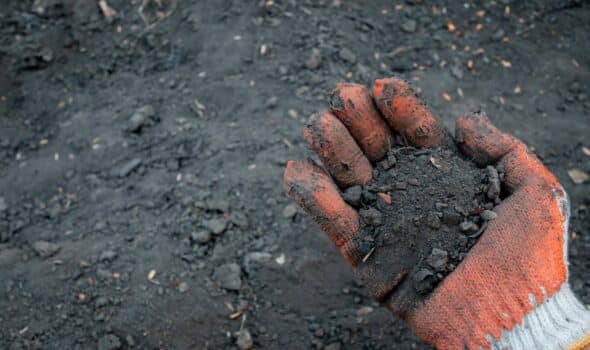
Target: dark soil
(97, 193)
(420, 215)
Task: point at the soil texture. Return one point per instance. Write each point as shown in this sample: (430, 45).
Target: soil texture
(420, 215)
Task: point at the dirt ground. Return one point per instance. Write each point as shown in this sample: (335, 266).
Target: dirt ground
(142, 151)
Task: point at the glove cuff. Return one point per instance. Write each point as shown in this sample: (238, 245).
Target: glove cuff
(560, 322)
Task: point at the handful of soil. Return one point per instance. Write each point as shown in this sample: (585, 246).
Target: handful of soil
(420, 215)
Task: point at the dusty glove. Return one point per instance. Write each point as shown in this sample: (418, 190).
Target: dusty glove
(511, 291)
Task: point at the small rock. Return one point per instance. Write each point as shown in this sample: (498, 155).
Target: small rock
(438, 259)
(333, 346)
(3, 205)
(456, 71)
(493, 183)
(347, 55)
(424, 281)
(46, 249)
(183, 287)
(433, 221)
(578, 176)
(229, 276)
(498, 35)
(314, 60)
(352, 195)
(440, 206)
(389, 162)
(142, 117)
(272, 102)
(401, 186)
(575, 87)
(244, 340)
(101, 302)
(126, 168)
(130, 341)
(409, 26)
(108, 255)
(488, 215)
(468, 227)
(220, 205)
(201, 237)
(371, 216)
(255, 257)
(216, 226)
(413, 182)
(239, 219)
(289, 211)
(5, 233)
(109, 342)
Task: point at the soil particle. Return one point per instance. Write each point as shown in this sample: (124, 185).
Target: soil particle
(438, 259)
(314, 60)
(409, 26)
(183, 287)
(371, 216)
(289, 211)
(352, 195)
(488, 215)
(421, 230)
(109, 342)
(127, 168)
(3, 205)
(217, 225)
(108, 255)
(143, 117)
(201, 237)
(244, 340)
(46, 249)
(229, 276)
(493, 183)
(347, 55)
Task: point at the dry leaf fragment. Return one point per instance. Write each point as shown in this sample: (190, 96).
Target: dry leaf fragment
(451, 26)
(446, 96)
(586, 150)
(107, 11)
(434, 162)
(578, 176)
(505, 64)
(151, 275)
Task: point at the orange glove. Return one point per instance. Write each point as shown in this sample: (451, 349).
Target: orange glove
(511, 291)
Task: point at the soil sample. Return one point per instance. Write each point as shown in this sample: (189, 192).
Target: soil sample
(420, 215)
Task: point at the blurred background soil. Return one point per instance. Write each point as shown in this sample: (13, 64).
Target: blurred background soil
(142, 145)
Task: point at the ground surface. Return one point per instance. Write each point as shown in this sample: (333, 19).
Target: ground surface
(106, 233)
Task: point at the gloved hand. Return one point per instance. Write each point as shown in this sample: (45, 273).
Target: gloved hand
(511, 291)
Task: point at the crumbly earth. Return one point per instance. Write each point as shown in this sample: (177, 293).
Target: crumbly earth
(118, 197)
(423, 211)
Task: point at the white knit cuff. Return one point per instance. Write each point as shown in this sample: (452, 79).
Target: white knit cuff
(560, 322)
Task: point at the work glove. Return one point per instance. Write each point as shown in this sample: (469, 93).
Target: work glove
(511, 291)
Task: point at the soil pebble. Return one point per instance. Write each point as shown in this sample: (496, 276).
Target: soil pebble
(109, 342)
(244, 340)
(127, 168)
(229, 276)
(201, 237)
(289, 211)
(46, 249)
(409, 26)
(216, 226)
(183, 287)
(142, 117)
(352, 195)
(420, 215)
